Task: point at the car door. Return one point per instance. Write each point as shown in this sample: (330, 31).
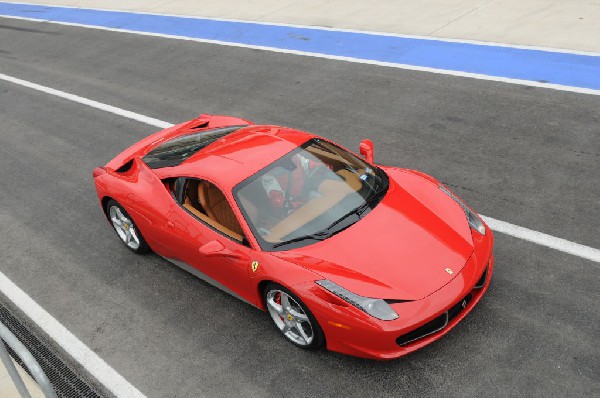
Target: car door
(211, 243)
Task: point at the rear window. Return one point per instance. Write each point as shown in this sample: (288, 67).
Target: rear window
(177, 150)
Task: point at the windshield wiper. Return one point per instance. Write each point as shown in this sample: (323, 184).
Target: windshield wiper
(360, 209)
(326, 233)
(321, 235)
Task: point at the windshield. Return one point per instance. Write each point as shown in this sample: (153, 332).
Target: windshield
(308, 195)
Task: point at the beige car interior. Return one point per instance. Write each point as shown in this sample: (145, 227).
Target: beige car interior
(209, 204)
(332, 193)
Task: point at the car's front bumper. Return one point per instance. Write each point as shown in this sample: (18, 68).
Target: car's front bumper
(350, 331)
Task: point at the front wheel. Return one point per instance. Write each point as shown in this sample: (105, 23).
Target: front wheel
(125, 228)
(293, 318)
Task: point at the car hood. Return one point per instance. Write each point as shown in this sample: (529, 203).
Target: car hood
(415, 241)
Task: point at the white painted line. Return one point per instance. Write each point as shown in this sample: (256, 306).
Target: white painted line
(543, 239)
(478, 76)
(81, 353)
(85, 101)
(530, 235)
(330, 29)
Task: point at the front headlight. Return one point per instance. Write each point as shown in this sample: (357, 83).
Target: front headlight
(472, 218)
(374, 307)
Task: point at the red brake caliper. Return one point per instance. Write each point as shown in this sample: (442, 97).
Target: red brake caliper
(278, 301)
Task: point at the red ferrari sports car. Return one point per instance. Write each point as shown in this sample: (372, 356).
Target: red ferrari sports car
(367, 260)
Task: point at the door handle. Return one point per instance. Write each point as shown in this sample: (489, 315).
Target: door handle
(170, 223)
(216, 248)
(231, 254)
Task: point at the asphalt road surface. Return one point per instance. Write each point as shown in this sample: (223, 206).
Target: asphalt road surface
(523, 155)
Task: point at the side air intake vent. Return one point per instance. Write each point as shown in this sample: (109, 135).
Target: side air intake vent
(125, 168)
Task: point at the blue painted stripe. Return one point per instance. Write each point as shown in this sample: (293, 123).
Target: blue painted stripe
(566, 69)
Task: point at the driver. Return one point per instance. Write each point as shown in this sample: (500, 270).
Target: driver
(289, 191)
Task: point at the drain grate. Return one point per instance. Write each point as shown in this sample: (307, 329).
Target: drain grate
(66, 382)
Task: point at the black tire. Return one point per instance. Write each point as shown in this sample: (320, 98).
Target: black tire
(141, 247)
(318, 337)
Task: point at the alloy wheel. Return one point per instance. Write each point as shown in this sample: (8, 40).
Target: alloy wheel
(124, 227)
(290, 317)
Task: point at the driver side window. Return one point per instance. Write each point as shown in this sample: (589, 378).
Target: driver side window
(205, 201)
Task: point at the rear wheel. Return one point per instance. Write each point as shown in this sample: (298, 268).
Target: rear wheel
(293, 318)
(125, 228)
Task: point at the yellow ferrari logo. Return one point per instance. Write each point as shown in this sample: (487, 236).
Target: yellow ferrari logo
(290, 317)
(254, 265)
(449, 270)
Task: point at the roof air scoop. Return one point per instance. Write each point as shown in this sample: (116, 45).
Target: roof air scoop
(200, 122)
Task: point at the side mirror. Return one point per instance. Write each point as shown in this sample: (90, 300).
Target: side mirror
(367, 149)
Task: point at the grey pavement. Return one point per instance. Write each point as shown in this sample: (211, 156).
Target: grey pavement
(523, 155)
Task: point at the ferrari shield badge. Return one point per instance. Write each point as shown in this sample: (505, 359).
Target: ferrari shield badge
(449, 270)
(254, 265)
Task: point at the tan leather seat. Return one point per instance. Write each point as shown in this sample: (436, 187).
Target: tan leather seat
(191, 194)
(216, 206)
(213, 223)
(193, 205)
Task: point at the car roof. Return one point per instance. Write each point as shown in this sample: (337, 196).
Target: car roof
(238, 155)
